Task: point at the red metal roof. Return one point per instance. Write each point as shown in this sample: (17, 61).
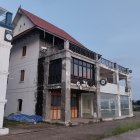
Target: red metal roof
(49, 27)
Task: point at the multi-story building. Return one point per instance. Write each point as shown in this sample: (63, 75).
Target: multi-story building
(5, 46)
(53, 75)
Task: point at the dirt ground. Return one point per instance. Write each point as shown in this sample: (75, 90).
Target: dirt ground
(53, 132)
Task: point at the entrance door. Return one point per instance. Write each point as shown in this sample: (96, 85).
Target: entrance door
(55, 106)
(87, 105)
(74, 106)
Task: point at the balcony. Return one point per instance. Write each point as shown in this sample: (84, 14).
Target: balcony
(113, 88)
(107, 63)
(112, 65)
(109, 88)
(122, 69)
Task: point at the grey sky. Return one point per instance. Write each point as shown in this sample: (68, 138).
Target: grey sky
(109, 27)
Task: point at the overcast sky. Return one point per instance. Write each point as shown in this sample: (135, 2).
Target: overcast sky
(109, 27)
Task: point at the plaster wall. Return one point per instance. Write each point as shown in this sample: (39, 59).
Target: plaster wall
(25, 90)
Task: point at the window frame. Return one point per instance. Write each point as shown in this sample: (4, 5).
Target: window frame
(24, 51)
(22, 75)
(76, 65)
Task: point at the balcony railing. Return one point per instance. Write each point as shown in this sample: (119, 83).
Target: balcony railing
(107, 63)
(112, 65)
(122, 69)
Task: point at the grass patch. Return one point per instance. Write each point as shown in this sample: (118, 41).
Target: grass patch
(123, 128)
(8, 123)
(120, 129)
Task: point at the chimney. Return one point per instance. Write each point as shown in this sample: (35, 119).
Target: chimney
(8, 20)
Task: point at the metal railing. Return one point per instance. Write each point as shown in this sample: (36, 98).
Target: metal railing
(107, 63)
(112, 65)
(122, 69)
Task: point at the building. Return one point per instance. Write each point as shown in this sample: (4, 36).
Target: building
(55, 76)
(5, 46)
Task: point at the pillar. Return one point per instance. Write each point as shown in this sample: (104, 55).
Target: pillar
(128, 87)
(118, 91)
(66, 86)
(47, 94)
(97, 95)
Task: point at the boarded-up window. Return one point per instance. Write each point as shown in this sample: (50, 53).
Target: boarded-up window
(22, 75)
(24, 51)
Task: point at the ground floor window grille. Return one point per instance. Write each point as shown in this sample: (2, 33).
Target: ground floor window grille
(108, 105)
(124, 105)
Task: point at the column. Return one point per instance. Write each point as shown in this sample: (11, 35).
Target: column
(66, 86)
(118, 91)
(97, 95)
(128, 87)
(47, 94)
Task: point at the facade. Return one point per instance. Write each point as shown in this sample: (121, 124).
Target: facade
(55, 76)
(5, 46)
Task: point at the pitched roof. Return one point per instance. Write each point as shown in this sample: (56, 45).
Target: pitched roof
(49, 27)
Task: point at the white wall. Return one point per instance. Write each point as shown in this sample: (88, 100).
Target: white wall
(4, 64)
(22, 25)
(122, 90)
(113, 88)
(23, 90)
(109, 88)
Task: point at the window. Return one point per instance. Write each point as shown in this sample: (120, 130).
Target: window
(124, 105)
(75, 70)
(24, 51)
(56, 100)
(55, 70)
(19, 104)
(109, 106)
(22, 75)
(81, 69)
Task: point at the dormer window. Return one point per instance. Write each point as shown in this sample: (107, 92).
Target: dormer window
(24, 51)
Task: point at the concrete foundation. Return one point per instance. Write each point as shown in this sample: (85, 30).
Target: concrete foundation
(4, 131)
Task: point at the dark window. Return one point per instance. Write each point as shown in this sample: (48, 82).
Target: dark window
(73, 102)
(22, 75)
(55, 69)
(24, 51)
(55, 100)
(81, 69)
(19, 104)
